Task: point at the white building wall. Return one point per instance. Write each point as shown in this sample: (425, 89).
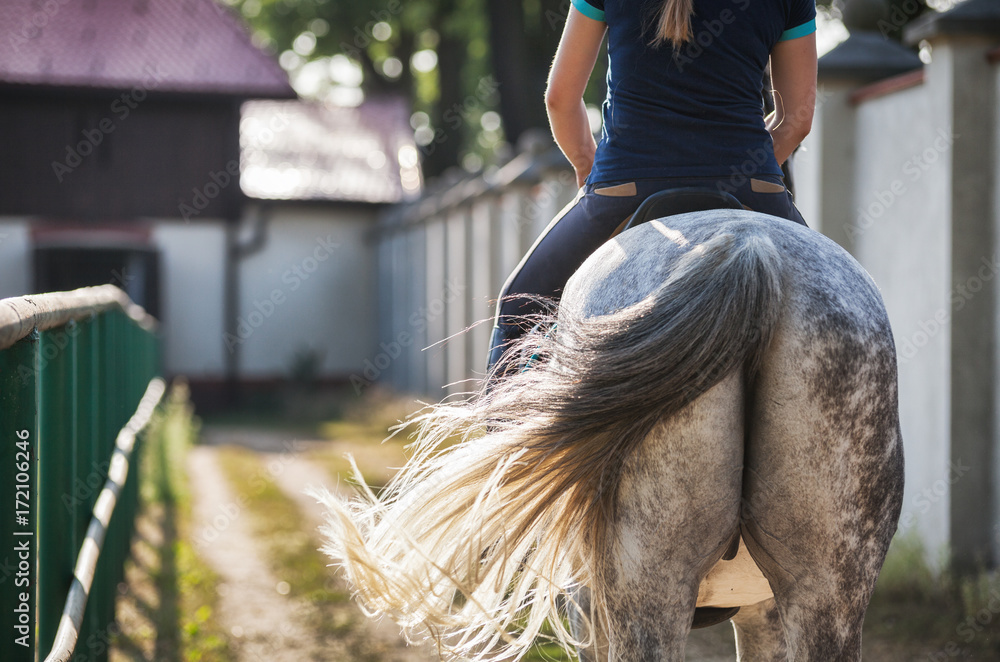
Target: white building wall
(311, 288)
(416, 294)
(434, 310)
(15, 257)
(806, 174)
(901, 234)
(192, 278)
(995, 252)
(456, 261)
(482, 254)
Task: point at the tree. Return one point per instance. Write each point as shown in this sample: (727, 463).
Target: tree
(455, 60)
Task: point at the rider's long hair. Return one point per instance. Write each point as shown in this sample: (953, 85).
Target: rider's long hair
(672, 23)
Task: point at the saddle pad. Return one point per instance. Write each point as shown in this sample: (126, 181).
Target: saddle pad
(734, 583)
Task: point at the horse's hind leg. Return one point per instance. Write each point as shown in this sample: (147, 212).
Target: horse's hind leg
(759, 635)
(823, 481)
(677, 510)
(598, 650)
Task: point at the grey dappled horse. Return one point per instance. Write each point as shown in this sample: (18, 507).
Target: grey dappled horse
(715, 376)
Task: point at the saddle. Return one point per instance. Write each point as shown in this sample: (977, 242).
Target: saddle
(680, 201)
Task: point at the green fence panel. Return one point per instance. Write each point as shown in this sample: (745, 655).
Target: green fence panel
(57, 498)
(18, 505)
(65, 393)
(86, 480)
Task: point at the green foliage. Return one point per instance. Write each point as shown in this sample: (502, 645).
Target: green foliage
(916, 607)
(382, 37)
(184, 584)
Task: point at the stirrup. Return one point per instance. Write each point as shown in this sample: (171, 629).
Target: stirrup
(534, 357)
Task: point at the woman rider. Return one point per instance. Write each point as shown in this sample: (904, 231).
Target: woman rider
(683, 109)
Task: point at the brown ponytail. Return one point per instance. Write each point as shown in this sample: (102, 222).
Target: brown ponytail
(673, 23)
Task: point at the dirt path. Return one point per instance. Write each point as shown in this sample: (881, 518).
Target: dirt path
(264, 624)
(289, 466)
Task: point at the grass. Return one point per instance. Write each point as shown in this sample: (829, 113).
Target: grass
(941, 615)
(283, 531)
(175, 621)
(280, 527)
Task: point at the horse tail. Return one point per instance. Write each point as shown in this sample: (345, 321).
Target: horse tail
(480, 543)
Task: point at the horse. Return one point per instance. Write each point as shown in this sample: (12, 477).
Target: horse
(717, 381)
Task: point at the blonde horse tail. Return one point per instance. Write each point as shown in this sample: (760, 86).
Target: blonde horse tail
(478, 544)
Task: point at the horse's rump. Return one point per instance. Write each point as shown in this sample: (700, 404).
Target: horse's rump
(647, 395)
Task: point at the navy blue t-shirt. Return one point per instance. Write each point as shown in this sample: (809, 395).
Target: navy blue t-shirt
(697, 110)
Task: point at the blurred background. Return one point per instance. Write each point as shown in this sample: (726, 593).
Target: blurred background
(315, 197)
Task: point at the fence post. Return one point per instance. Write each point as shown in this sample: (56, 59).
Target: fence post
(19, 489)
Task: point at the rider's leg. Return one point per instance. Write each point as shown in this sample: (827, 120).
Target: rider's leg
(586, 223)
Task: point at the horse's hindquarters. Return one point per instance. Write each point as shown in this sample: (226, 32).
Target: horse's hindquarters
(678, 508)
(823, 481)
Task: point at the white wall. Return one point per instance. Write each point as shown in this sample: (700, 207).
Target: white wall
(15, 257)
(902, 236)
(807, 177)
(311, 287)
(192, 280)
(996, 325)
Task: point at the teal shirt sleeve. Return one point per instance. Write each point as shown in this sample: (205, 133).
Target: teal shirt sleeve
(588, 8)
(799, 31)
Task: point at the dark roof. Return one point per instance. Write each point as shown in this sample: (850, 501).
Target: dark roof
(299, 150)
(188, 46)
(969, 17)
(868, 56)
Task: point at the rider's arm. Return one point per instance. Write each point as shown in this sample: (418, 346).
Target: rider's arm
(793, 76)
(571, 69)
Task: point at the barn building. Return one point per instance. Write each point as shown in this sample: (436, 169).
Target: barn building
(154, 146)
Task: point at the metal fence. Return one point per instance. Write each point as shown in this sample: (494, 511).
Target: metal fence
(77, 383)
(442, 261)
